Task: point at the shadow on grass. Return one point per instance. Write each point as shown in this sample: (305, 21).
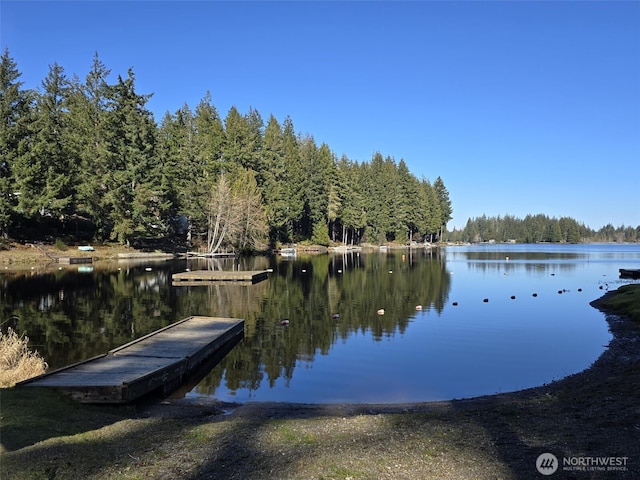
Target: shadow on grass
(31, 415)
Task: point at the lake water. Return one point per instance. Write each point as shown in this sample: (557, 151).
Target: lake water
(336, 347)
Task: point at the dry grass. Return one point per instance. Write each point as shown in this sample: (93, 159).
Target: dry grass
(17, 362)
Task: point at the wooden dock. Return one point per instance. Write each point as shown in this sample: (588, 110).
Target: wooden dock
(200, 277)
(74, 260)
(633, 273)
(159, 362)
(211, 255)
(146, 256)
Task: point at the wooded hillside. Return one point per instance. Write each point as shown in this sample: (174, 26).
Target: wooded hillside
(539, 228)
(87, 159)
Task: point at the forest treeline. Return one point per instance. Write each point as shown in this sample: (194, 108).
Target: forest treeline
(539, 228)
(89, 155)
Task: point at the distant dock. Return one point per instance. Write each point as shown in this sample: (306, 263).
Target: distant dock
(158, 362)
(146, 256)
(211, 255)
(633, 273)
(74, 260)
(200, 277)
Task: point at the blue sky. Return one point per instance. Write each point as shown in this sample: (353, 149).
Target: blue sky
(520, 107)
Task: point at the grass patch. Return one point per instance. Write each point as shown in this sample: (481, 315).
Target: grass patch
(60, 245)
(47, 435)
(29, 415)
(343, 472)
(288, 434)
(17, 362)
(624, 301)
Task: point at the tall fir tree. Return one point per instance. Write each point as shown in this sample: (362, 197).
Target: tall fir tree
(91, 140)
(47, 176)
(179, 169)
(137, 205)
(293, 181)
(445, 205)
(15, 110)
(274, 181)
(352, 215)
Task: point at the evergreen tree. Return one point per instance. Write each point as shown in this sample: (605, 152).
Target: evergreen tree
(47, 176)
(274, 178)
(15, 108)
(573, 233)
(378, 186)
(90, 139)
(294, 182)
(136, 204)
(243, 141)
(352, 212)
(410, 205)
(208, 136)
(444, 203)
(255, 138)
(181, 172)
(334, 198)
(315, 164)
(556, 233)
(434, 214)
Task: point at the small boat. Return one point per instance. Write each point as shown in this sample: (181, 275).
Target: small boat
(629, 272)
(288, 252)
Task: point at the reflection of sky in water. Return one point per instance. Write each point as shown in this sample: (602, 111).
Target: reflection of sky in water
(476, 347)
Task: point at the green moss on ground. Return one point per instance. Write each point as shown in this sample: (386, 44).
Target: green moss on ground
(623, 301)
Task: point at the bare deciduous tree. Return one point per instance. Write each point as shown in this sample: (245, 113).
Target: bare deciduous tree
(253, 220)
(236, 216)
(222, 215)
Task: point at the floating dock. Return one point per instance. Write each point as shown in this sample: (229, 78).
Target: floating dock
(211, 255)
(146, 256)
(200, 277)
(74, 260)
(158, 362)
(633, 273)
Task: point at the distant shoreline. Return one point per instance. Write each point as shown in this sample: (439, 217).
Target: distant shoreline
(19, 256)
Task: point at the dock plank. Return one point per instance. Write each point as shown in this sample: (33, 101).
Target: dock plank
(162, 359)
(192, 277)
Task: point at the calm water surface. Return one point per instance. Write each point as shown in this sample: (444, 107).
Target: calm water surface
(457, 345)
